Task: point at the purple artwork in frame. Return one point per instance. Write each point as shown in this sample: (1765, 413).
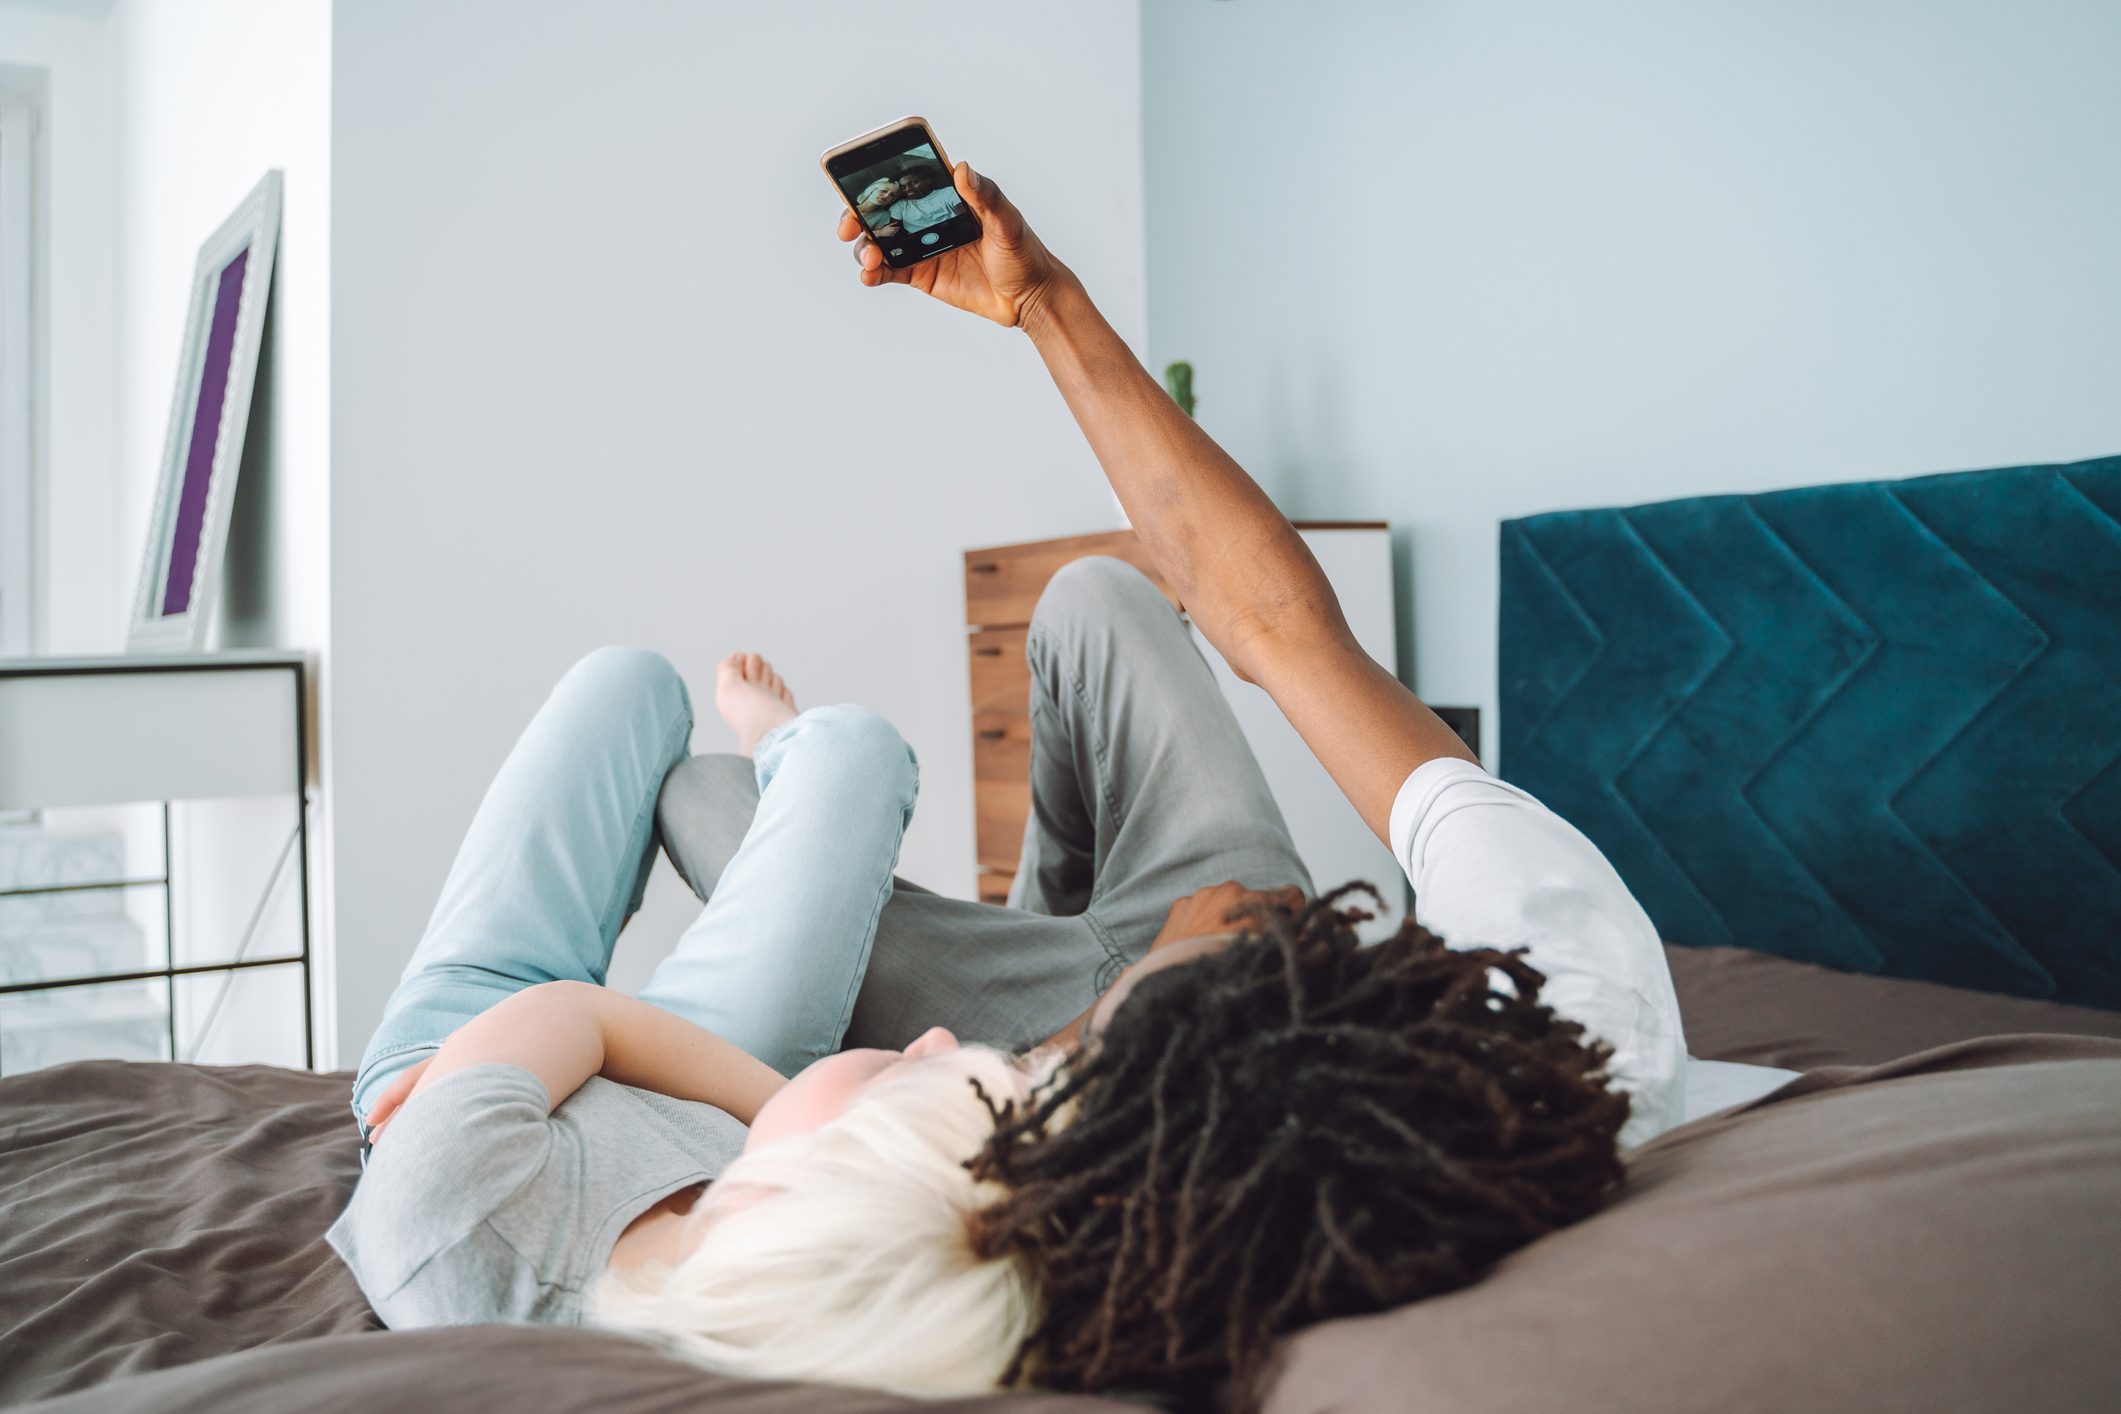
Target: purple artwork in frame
(190, 525)
(203, 452)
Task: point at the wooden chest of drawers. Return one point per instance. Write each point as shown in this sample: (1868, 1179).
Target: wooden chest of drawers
(1002, 586)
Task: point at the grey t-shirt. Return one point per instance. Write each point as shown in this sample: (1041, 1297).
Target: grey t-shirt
(476, 1206)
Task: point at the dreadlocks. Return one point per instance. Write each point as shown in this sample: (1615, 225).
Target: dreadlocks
(1292, 1129)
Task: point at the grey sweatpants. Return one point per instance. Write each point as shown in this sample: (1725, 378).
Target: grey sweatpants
(1143, 789)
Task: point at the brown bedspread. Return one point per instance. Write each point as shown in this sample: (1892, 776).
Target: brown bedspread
(155, 1216)
(1765, 1010)
(152, 1215)
(160, 1216)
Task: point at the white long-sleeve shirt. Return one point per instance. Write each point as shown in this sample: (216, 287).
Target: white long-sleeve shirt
(1492, 867)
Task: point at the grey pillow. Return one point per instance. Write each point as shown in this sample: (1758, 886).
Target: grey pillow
(1935, 1233)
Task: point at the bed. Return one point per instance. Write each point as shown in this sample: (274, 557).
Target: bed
(1924, 1220)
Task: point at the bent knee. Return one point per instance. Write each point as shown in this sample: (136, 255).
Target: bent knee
(628, 672)
(862, 735)
(1096, 586)
(856, 725)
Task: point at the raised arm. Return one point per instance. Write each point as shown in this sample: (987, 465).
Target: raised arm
(565, 1032)
(1239, 567)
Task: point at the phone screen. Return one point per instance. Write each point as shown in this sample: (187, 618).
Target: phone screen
(898, 185)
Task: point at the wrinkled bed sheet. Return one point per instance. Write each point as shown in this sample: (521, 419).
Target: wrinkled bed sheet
(161, 1242)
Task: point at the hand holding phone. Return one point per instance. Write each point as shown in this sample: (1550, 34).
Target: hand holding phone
(899, 185)
(998, 270)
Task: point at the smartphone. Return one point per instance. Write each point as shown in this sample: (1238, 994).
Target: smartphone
(897, 181)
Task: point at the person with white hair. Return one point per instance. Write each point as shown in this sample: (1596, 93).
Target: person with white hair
(875, 203)
(536, 1144)
(1253, 1121)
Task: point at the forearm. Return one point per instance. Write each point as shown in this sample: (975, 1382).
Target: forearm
(565, 1032)
(1236, 564)
(1244, 575)
(653, 1049)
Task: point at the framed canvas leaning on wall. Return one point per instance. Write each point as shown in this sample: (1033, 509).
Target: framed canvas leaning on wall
(180, 571)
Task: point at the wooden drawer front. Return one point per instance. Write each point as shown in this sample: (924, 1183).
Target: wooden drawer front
(1002, 585)
(1001, 784)
(1001, 746)
(1000, 810)
(1001, 679)
(994, 886)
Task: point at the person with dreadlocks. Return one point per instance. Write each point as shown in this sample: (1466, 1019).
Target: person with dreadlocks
(1263, 1131)
(771, 1160)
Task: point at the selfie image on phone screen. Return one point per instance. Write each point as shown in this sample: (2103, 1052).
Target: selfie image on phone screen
(900, 186)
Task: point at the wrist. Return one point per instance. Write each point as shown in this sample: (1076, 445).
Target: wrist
(1047, 306)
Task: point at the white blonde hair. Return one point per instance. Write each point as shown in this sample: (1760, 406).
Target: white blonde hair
(869, 192)
(856, 1265)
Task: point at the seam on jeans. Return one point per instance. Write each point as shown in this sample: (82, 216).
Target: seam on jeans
(392, 1054)
(883, 895)
(759, 747)
(398, 1050)
(374, 1062)
(1105, 940)
(1097, 740)
(680, 733)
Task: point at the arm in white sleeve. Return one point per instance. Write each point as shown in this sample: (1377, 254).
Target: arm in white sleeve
(1492, 867)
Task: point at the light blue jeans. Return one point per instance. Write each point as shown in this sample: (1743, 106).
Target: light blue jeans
(559, 853)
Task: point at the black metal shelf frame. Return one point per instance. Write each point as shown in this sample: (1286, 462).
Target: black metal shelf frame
(170, 971)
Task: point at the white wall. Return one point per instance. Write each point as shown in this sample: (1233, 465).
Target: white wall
(1447, 264)
(206, 97)
(63, 50)
(601, 374)
(161, 115)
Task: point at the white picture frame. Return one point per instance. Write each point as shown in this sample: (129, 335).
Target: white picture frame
(217, 367)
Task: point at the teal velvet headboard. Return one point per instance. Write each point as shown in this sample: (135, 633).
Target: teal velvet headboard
(1876, 726)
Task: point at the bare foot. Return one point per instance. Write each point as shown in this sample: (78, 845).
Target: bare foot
(751, 698)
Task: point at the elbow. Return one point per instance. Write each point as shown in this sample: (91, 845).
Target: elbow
(1273, 641)
(563, 1008)
(1279, 607)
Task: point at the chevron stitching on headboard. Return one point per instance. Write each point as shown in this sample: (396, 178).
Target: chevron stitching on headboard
(1874, 725)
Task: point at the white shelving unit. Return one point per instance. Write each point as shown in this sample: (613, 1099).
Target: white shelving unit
(80, 976)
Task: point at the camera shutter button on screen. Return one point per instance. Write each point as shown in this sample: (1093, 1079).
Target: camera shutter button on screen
(930, 239)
